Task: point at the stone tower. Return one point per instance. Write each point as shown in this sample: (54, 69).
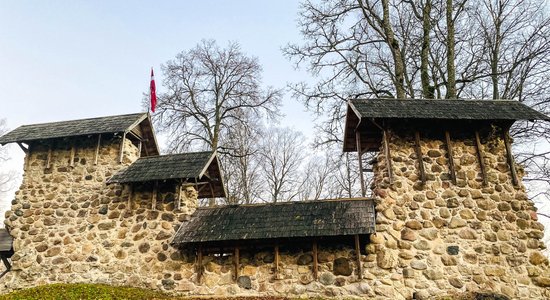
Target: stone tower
(452, 212)
(92, 209)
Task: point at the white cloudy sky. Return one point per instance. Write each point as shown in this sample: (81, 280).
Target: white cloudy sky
(63, 60)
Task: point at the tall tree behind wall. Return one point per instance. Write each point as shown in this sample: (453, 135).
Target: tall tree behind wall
(7, 178)
(211, 94)
(362, 48)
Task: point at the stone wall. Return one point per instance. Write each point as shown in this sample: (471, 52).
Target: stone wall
(69, 226)
(435, 239)
(444, 238)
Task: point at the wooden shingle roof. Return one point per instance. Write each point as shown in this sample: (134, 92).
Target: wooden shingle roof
(6, 240)
(445, 109)
(276, 221)
(191, 167)
(367, 116)
(138, 123)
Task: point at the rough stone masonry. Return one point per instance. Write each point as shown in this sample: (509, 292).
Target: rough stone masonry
(431, 239)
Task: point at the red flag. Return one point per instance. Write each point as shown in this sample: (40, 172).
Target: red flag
(153, 92)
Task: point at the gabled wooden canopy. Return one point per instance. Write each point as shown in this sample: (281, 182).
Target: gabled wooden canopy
(136, 127)
(367, 118)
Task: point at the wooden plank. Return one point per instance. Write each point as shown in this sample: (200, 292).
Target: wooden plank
(388, 155)
(315, 262)
(121, 150)
(360, 155)
(276, 261)
(49, 158)
(130, 195)
(96, 155)
(139, 148)
(481, 158)
(73, 151)
(358, 255)
(419, 157)
(510, 158)
(236, 263)
(199, 265)
(450, 154)
(154, 196)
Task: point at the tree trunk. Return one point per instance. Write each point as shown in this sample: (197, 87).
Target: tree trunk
(451, 80)
(427, 90)
(396, 52)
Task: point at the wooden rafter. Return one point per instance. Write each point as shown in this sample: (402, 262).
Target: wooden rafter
(450, 155)
(73, 152)
(154, 196)
(121, 150)
(481, 158)
(199, 264)
(98, 145)
(418, 150)
(27, 151)
(510, 158)
(388, 155)
(236, 263)
(276, 261)
(49, 158)
(130, 195)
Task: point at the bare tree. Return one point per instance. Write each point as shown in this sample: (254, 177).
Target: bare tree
(282, 152)
(316, 178)
(208, 91)
(7, 178)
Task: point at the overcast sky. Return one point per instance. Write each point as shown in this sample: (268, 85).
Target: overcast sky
(63, 60)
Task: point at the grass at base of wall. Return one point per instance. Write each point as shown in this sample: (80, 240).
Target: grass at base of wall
(83, 291)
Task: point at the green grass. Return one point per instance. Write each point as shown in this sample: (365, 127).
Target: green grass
(83, 291)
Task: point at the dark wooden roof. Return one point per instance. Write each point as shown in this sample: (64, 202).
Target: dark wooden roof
(276, 221)
(201, 167)
(363, 111)
(6, 240)
(139, 124)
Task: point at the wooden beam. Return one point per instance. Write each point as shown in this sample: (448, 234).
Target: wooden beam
(199, 265)
(49, 158)
(96, 155)
(178, 196)
(358, 255)
(139, 148)
(73, 150)
(388, 155)
(276, 261)
(450, 154)
(360, 155)
(481, 158)
(121, 151)
(27, 151)
(154, 196)
(510, 158)
(236, 263)
(130, 195)
(419, 157)
(315, 262)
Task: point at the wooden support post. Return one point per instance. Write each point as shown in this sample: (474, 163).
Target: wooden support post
(154, 197)
(27, 156)
(49, 158)
(236, 263)
(510, 158)
(130, 195)
(71, 162)
(178, 196)
(451, 156)
(6, 264)
(96, 156)
(419, 157)
(388, 155)
(139, 148)
(121, 151)
(276, 261)
(481, 158)
(315, 262)
(358, 255)
(199, 265)
(360, 156)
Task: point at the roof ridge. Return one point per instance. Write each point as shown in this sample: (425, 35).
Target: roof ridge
(85, 119)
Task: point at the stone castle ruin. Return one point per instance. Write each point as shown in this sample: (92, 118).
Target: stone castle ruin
(449, 212)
